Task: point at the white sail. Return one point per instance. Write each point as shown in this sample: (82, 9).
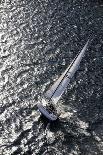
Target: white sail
(57, 89)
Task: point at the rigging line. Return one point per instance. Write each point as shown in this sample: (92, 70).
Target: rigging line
(65, 75)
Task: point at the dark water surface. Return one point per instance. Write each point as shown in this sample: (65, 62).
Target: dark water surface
(38, 39)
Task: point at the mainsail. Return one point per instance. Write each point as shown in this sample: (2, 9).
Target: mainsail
(57, 89)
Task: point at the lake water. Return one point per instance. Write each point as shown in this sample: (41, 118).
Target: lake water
(38, 39)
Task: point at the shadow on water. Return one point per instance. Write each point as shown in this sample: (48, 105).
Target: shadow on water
(69, 130)
(72, 135)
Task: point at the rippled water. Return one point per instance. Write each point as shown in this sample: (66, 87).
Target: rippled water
(38, 39)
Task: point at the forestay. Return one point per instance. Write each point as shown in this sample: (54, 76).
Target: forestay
(57, 89)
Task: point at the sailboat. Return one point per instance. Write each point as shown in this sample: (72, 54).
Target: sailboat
(52, 95)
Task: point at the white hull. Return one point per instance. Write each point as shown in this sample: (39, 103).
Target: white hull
(48, 115)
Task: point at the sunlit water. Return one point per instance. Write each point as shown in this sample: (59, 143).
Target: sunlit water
(38, 39)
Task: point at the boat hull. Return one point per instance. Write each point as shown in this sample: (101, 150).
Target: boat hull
(45, 112)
